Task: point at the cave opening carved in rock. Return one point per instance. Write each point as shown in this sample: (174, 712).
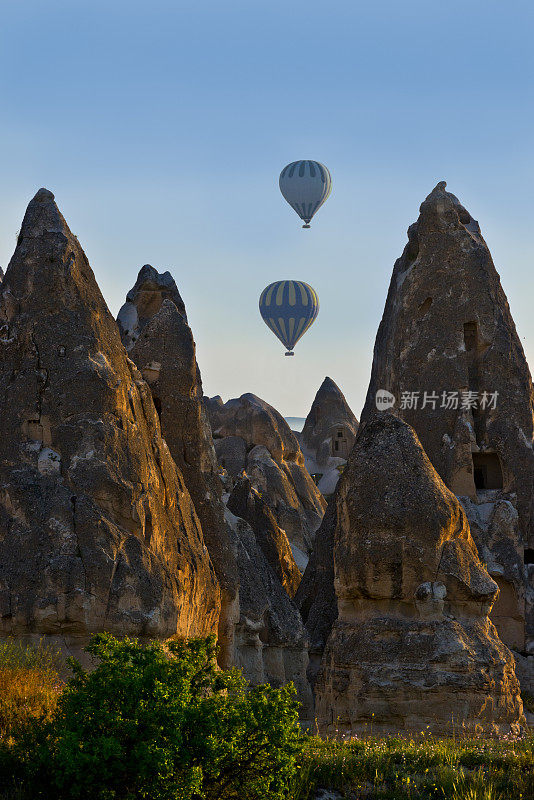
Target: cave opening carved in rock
(487, 471)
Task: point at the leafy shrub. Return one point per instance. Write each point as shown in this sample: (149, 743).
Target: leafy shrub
(528, 702)
(29, 685)
(163, 723)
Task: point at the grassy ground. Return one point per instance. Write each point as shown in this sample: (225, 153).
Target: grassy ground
(371, 768)
(29, 685)
(422, 769)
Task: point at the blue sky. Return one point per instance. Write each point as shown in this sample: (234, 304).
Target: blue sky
(162, 127)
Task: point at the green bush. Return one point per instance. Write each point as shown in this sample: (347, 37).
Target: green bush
(163, 723)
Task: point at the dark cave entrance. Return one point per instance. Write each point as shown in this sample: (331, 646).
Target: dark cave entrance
(487, 471)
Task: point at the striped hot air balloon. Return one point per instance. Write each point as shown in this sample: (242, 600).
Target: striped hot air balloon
(289, 308)
(305, 185)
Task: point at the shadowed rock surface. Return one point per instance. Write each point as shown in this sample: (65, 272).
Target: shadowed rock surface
(247, 503)
(97, 528)
(329, 415)
(316, 598)
(231, 454)
(274, 463)
(328, 435)
(412, 645)
(144, 300)
(447, 330)
(165, 354)
(271, 642)
(260, 629)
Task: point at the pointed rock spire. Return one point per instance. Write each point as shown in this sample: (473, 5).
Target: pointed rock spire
(259, 627)
(448, 351)
(412, 645)
(97, 528)
(144, 300)
(165, 353)
(330, 427)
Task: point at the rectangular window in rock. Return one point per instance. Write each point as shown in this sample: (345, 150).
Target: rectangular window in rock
(487, 471)
(470, 335)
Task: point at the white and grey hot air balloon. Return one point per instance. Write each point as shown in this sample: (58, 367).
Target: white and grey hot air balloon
(305, 185)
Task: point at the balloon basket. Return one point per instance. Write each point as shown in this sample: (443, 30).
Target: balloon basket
(306, 226)
(289, 353)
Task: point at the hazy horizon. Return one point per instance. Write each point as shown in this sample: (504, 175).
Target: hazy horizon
(162, 133)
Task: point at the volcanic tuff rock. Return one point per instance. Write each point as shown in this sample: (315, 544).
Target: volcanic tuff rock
(328, 435)
(165, 353)
(246, 502)
(329, 416)
(274, 463)
(97, 528)
(316, 596)
(144, 300)
(260, 629)
(412, 645)
(231, 453)
(271, 643)
(447, 329)
(256, 422)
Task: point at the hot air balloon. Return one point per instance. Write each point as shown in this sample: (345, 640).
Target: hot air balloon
(289, 308)
(305, 185)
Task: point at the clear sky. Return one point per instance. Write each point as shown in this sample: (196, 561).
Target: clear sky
(162, 127)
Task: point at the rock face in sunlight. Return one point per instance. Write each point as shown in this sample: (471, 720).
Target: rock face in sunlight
(260, 629)
(165, 353)
(328, 435)
(247, 503)
(273, 462)
(412, 645)
(447, 331)
(97, 528)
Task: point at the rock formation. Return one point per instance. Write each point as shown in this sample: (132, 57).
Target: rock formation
(260, 629)
(97, 528)
(247, 503)
(447, 331)
(231, 454)
(274, 463)
(328, 435)
(413, 645)
(270, 643)
(316, 596)
(330, 421)
(164, 351)
(144, 300)
(257, 423)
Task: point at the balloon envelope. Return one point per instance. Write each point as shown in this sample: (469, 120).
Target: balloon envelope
(289, 308)
(305, 185)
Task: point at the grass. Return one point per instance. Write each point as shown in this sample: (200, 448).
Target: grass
(370, 768)
(418, 769)
(29, 685)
